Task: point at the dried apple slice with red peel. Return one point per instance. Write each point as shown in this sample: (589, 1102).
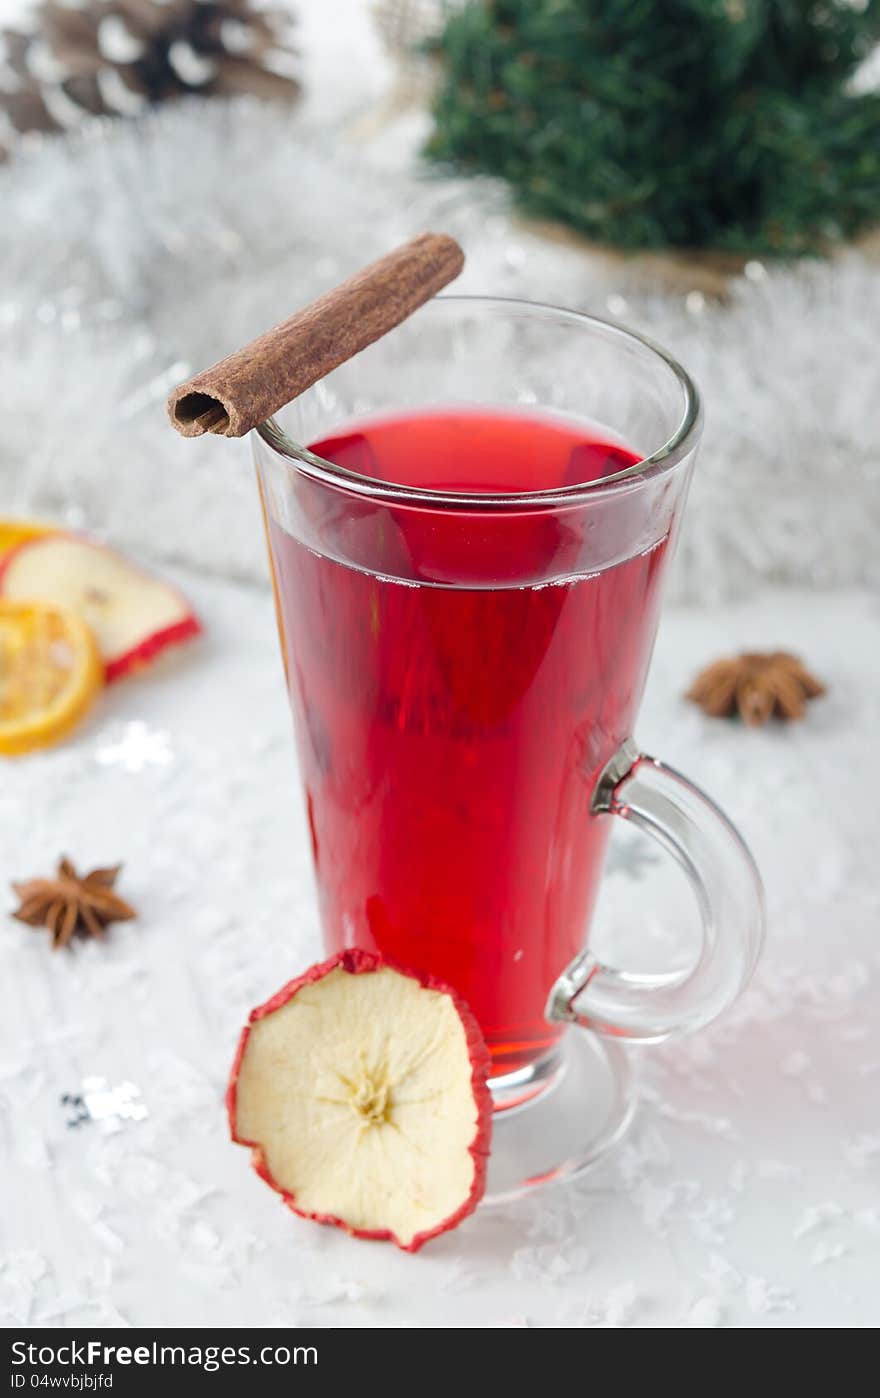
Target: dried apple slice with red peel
(361, 1090)
(134, 616)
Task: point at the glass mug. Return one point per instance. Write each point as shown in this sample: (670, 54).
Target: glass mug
(465, 663)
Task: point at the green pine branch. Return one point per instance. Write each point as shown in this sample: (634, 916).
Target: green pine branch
(725, 124)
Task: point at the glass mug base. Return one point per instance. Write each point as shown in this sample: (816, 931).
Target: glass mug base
(559, 1118)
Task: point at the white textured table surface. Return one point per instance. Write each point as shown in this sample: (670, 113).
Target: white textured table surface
(747, 1193)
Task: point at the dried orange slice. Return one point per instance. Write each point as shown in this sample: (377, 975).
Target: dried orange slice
(20, 531)
(50, 672)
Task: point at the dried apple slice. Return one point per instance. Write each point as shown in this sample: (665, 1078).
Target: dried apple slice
(361, 1090)
(133, 615)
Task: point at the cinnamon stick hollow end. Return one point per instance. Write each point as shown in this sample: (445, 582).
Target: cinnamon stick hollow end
(194, 413)
(251, 384)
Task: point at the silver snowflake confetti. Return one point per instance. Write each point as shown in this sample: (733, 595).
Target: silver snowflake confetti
(109, 1106)
(136, 747)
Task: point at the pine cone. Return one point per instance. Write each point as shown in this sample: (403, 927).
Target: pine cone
(117, 57)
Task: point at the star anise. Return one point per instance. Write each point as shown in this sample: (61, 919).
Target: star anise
(755, 686)
(69, 904)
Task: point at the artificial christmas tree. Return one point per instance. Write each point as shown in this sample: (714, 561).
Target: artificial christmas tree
(720, 124)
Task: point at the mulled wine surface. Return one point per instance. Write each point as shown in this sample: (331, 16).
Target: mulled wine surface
(450, 736)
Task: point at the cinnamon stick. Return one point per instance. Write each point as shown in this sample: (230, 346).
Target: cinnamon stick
(254, 382)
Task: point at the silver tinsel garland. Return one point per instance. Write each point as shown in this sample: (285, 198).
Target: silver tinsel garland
(132, 253)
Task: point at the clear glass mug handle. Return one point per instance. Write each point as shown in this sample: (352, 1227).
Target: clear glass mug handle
(725, 879)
